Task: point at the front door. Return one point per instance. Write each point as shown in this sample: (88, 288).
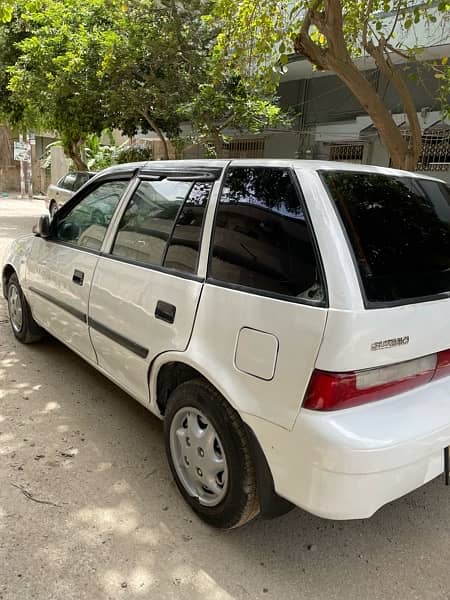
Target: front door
(145, 290)
(61, 268)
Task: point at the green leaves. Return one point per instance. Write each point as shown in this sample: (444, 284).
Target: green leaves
(6, 10)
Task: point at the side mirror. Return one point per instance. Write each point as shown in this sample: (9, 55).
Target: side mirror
(42, 227)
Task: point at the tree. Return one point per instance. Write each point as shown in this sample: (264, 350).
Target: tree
(11, 34)
(78, 67)
(258, 35)
(6, 10)
(160, 71)
(55, 76)
(227, 102)
(153, 64)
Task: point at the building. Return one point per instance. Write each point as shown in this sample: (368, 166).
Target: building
(10, 168)
(330, 123)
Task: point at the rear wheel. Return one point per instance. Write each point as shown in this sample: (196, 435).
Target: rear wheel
(23, 325)
(209, 456)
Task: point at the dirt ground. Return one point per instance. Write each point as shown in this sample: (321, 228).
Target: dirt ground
(88, 510)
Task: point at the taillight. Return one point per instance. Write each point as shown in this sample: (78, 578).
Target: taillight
(335, 391)
(443, 364)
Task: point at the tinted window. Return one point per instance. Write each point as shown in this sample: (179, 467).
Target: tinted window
(147, 223)
(399, 230)
(69, 181)
(261, 237)
(82, 178)
(184, 245)
(86, 223)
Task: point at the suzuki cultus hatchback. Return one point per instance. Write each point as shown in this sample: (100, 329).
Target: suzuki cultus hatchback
(289, 321)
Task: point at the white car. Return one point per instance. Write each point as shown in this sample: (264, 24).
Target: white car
(58, 193)
(289, 321)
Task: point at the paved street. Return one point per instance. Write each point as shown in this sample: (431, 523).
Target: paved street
(88, 510)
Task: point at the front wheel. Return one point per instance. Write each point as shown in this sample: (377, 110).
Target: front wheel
(23, 325)
(209, 455)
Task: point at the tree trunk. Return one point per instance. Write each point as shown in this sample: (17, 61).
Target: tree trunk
(217, 143)
(384, 63)
(390, 134)
(158, 132)
(329, 21)
(73, 150)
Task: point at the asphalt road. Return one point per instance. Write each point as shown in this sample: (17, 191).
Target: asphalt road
(88, 510)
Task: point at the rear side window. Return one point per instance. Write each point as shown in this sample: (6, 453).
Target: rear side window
(399, 229)
(261, 238)
(148, 220)
(162, 224)
(184, 245)
(69, 181)
(82, 178)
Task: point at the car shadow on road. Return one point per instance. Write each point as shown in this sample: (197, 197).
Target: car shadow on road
(119, 520)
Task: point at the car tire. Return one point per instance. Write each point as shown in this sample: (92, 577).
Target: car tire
(203, 435)
(23, 325)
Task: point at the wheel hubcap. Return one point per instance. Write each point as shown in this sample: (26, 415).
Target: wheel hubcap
(198, 456)
(15, 308)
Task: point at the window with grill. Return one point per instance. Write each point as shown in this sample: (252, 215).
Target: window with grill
(351, 152)
(244, 148)
(435, 155)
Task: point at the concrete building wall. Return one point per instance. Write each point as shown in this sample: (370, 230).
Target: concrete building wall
(281, 145)
(60, 164)
(9, 168)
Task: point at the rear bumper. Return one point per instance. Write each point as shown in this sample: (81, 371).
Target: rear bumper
(347, 464)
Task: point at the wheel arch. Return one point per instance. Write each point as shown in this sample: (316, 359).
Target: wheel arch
(8, 270)
(168, 374)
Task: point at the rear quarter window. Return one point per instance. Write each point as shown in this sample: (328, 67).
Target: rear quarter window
(261, 240)
(399, 230)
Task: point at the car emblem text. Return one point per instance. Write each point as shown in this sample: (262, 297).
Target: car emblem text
(399, 341)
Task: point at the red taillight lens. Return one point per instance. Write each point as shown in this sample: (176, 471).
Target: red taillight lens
(335, 391)
(443, 365)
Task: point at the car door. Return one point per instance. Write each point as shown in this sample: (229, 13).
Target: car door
(60, 269)
(265, 297)
(145, 290)
(65, 188)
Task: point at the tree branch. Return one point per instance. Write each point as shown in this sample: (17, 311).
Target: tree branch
(397, 51)
(158, 132)
(366, 22)
(330, 24)
(387, 68)
(395, 23)
(303, 43)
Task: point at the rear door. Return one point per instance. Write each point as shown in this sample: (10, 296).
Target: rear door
(60, 269)
(263, 310)
(145, 290)
(65, 188)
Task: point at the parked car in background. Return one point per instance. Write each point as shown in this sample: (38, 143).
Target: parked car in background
(288, 320)
(58, 193)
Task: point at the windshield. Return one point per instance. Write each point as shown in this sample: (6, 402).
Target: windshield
(399, 229)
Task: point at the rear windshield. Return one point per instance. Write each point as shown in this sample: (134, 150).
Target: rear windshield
(399, 228)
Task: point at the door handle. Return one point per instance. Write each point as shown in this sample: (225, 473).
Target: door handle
(165, 311)
(78, 277)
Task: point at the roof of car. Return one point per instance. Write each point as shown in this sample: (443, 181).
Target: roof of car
(309, 165)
